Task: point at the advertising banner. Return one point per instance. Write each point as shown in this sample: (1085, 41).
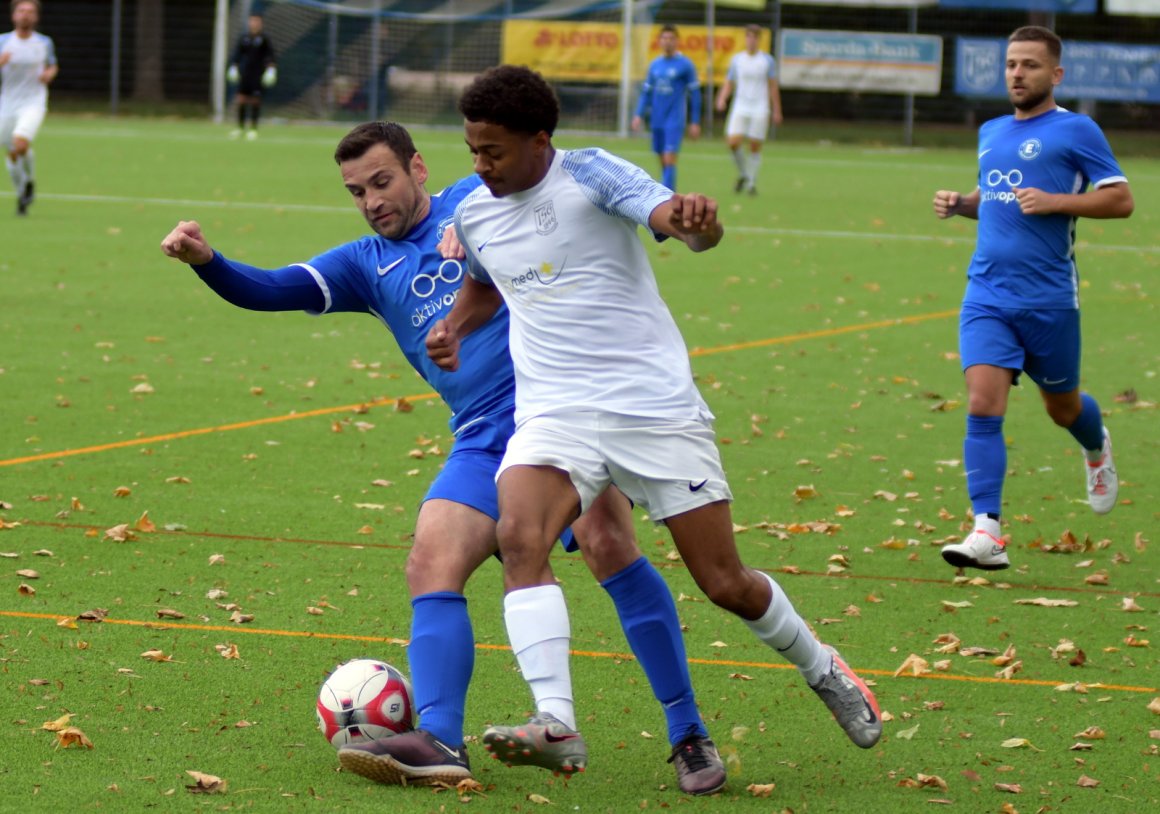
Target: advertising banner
(1143, 8)
(848, 60)
(1056, 6)
(1091, 70)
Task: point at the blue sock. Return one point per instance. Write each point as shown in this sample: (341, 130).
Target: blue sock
(442, 656)
(1088, 429)
(649, 618)
(985, 459)
(669, 176)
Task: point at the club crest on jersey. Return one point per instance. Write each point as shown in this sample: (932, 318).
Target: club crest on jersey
(546, 222)
(442, 227)
(1030, 149)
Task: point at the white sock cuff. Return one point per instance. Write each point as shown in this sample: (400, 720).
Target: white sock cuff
(535, 615)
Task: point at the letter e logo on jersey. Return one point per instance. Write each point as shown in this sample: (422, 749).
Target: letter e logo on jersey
(546, 222)
(1030, 149)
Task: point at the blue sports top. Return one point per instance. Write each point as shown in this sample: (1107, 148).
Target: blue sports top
(407, 285)
(1028, 261)
(669, 81)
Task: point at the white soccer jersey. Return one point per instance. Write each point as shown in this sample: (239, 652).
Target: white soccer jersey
(20, 84)
(750, 75)
(589, 330)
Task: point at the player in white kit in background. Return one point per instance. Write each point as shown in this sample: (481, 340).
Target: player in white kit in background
(27, 66)
(752, 81)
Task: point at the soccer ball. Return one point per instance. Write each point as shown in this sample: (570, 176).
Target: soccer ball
(362, 700)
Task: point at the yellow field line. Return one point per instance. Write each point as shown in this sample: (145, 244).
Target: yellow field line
(593, 654)
(242, 425)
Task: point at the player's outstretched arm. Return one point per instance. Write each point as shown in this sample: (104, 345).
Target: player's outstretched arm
(187, 244)
(1111, 201)
(690, 218)
(948, 203)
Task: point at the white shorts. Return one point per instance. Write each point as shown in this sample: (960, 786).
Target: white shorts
(23, 122)
(753, 126)
(669, 466)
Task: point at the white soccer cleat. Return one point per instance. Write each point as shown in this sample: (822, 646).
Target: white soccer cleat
(1103, 485)
(251, 135)
(979, 550)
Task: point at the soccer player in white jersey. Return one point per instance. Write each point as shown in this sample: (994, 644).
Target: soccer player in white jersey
(27, 66)
(1021, 308)
(752, 81)
(604, 389)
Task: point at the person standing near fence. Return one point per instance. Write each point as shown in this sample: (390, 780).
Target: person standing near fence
(27, 66)
(752, 81)
(1021, 308)
(252, 69)
(672, 92)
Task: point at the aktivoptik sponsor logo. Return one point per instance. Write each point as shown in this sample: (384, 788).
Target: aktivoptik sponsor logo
(424, 285)
(1000, 185)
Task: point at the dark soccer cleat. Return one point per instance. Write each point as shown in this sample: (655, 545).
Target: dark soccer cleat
(543, 741)
(415, 758)
(851, 702)
(740, 185)
(25, 198)
(699, 767)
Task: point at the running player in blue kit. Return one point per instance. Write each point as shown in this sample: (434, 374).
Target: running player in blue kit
(399, 276)
(670, 96)
(1039, 170)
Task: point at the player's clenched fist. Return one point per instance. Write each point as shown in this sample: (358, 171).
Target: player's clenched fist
(443, 345)
(946, 203)
(187, 244)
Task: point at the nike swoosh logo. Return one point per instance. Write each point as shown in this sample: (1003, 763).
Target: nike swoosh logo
(479, 248)
(455, 753)
(550, 738)
(1054, 381)
(985, 152)
(698, 486)
(384, 269)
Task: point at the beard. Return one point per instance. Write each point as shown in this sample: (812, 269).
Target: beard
(1030, 101)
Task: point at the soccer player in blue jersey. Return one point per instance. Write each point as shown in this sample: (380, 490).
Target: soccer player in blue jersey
(398, 276)
(27, 66)
(670, 95)
(1039, 170)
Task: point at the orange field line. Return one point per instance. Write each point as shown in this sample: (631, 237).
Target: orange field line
(241, 425)
(595, 654)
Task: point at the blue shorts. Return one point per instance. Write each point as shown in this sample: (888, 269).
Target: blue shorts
(668, 139)
(1045, 344)
(468, 474)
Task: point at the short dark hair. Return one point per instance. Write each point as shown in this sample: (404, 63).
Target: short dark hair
(356, 143)
(753, 28)
(1037, 33)
(514, 97)
(669, 28)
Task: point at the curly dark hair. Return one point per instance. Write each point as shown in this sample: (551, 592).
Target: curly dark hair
(1037, 33)
(356, 143)
(514, 97)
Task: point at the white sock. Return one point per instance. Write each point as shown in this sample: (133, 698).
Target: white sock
(16, 173)
(782, 629)
(538, 629)
(989, 525)
(739, 160)
(29, 166)
(753, 164)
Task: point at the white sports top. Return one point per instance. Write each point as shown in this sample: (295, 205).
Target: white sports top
(750, 75)
(20, 84)
(589, 329)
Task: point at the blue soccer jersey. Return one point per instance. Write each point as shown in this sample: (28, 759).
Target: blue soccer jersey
(670, 81)
(407, 285)
(1028, 261)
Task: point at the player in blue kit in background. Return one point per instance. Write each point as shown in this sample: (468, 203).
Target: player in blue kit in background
(1021, 308)
(399, 276)
(670, 95)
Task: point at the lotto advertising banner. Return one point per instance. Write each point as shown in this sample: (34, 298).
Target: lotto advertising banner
(591, 52)
(1057, 6)
(1091, 70)
(1144, 8)
(848, 60)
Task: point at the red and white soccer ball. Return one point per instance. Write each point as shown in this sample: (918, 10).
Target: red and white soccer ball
(362, 700)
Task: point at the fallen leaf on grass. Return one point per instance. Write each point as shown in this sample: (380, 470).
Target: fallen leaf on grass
(1044, 602)
(1080, 746)
(170, 613)
(1086, 782)
(907, 734)
(241, 618)
(761, 789)
(205, 783)
(217, 559)
(539, 799)
(1005, 659)
(70, 735)
(951, 607)
(120, 533)
(28, 573)
(1010, 670)
(924, 781)
(24, 589)
(1020, 743)
(1013, 788)
(144, 524)
(156, 655)
(805, 493)
(1154, 705)
(122, 491)
(1092, 733)
(57, 725)
(228, 651)
(914, 665)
